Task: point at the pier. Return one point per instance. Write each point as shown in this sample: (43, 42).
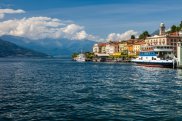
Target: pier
(179, 55)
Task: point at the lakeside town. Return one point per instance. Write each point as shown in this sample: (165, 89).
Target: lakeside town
(165, 42)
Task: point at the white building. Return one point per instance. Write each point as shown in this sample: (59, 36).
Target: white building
(112, 47)
(96, 48)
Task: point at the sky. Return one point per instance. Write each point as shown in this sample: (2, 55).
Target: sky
(86, 19)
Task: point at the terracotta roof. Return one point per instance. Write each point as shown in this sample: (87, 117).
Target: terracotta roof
(132, 41)
(113, 42)
(139, 42)
(102, 44)
(174, 33)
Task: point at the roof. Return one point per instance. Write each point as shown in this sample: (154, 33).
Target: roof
(174, 33)
(102, 44)
(139, 43)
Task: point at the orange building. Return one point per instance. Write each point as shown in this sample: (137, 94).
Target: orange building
(130, 44)
(130, 50)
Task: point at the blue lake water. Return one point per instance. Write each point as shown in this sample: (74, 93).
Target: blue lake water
(60, 89)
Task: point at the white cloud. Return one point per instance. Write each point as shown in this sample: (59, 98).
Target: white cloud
(123, 36)
(9, 11)
(36, 28)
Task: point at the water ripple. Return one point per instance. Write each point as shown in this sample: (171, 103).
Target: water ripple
(56, 89)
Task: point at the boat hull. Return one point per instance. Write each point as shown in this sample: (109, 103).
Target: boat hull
(164, 64)
(81, 60)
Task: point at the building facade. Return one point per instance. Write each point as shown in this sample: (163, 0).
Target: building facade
(137, 46)
(112, 47)
(99, 48)
(133, 47)
(165, 39)
(123, 49)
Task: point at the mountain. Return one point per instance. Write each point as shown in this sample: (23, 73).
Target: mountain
(156, 32)
(8, 49)
(54, 47)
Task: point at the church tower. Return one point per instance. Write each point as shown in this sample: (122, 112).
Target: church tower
(162, 29)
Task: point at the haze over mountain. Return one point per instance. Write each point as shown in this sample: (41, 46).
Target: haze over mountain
(8, 49)
(53, 47)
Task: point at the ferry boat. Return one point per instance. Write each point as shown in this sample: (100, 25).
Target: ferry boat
(156, 56)
(80, 58)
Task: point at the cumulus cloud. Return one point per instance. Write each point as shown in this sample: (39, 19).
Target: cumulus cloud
(36, 28)
(10, 11)
(39, 28)
(123, 36)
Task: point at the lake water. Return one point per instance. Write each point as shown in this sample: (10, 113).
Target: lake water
(60, 89)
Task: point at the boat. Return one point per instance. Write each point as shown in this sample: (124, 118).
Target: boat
(80, 58)
(156, 56)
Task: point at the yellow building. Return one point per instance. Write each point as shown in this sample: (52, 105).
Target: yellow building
(137, 47)
(123, 48)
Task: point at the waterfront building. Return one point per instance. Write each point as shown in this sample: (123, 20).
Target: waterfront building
(99, 48)
(106, 48)
(103, 48)
(123, 49)
(130, 47)
(112, 47)
(96, 48)
(134, 46)
(165, 39)
(130, 50)
(137, 46)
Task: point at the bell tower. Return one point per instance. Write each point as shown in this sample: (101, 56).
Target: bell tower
(162, 29)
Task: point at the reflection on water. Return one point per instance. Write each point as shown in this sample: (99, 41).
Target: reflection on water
(64, 90)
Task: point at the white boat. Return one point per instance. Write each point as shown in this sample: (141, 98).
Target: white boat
(156, 56)
(80, 58)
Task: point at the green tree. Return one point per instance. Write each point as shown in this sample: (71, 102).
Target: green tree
(89, 55)
(178, 28)
(132, 36)
(74, 55)
(180, 24)
(144, 35)
(173, 28)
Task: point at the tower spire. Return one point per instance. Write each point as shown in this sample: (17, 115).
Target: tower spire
(162, 29)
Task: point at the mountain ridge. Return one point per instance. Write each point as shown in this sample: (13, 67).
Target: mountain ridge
(53, 47)
(8, 49)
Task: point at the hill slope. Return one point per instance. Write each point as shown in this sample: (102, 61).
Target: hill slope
(54, 47)
(8, 49)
